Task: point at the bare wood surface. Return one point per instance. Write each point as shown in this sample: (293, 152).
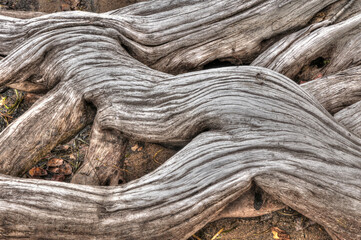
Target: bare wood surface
(239, 125)
(337, 91)
(166, 37)
(48, 125)
(20, 14)
(264, 151)
(334, 92)
(350, 117)
(102, 164)
(334, 42)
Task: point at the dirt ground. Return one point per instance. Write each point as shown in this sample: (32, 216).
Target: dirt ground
(140, 158)
(50, 6)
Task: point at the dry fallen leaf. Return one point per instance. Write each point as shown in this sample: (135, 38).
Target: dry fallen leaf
(64, 147)
(280, 234)
(37, 172)
(55, 162)
(134, 148)
(54, 170)
(319, 76)
(66, 169)
(31, 98)
(58, 177)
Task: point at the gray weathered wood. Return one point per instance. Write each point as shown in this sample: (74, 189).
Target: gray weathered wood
(337, 91)
(253, 138)
(239, 125)
(20, 14)
(336, 43)
(178, 36)
(350, 117)
(102, 163)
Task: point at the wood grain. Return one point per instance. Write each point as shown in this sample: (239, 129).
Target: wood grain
(238, 125)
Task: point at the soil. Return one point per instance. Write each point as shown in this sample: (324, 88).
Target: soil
(141, 158)
(50, 6)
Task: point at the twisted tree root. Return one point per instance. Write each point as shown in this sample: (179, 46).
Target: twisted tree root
(239, 125)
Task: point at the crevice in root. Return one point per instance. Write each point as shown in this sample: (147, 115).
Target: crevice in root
(313, 70)
(335, 12)
(127, 49)
(319, 62)
(3, 90)
(268, 42)
(253, 203)
(258, 198)
(11, 105)
(218, 63)
(327, 12)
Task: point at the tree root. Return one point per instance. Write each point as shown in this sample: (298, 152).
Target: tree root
(238, 125)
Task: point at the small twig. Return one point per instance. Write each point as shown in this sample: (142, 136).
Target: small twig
(155, 155)
(217, 234)
(81, 140)
(196, 237)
